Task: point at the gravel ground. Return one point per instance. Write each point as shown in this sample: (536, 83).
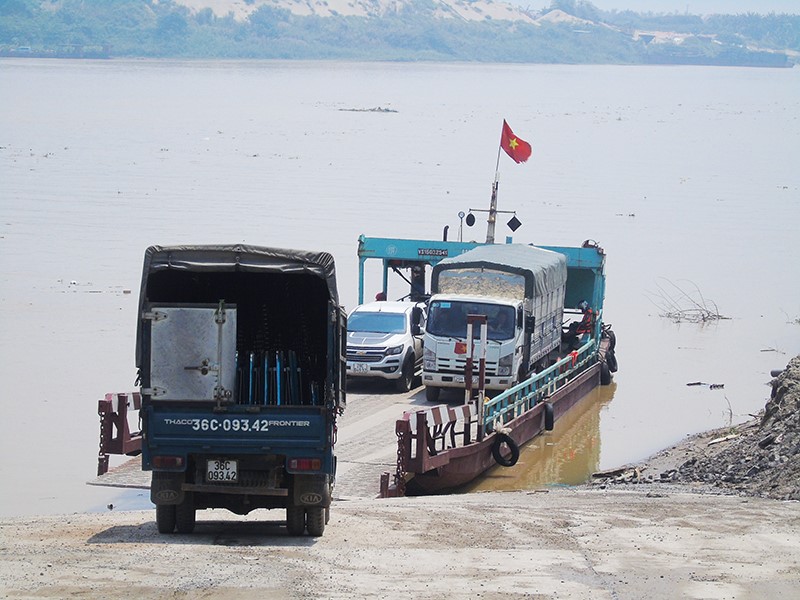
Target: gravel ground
(579, 543)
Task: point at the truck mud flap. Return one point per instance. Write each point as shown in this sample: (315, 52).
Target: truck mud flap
(312, 490)
(166, 488)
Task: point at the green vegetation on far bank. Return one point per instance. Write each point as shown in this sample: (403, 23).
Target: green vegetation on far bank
(166, 29)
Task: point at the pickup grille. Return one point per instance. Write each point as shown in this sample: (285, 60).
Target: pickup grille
(365, 354)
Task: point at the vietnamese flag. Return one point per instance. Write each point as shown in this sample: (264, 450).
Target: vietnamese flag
(518, 149)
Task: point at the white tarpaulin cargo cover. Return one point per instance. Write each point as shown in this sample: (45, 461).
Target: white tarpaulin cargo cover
(542, 270)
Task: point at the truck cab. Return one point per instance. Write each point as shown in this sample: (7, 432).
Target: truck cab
(384, 341)
(446, 348)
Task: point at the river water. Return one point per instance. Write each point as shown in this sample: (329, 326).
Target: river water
(688, 177)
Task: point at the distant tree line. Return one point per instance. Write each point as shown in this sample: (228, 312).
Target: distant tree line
(146, 28)
(772, 31)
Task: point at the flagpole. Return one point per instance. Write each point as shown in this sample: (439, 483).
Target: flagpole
(493, 203)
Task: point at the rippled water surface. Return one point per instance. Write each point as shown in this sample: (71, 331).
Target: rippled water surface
(689, 177)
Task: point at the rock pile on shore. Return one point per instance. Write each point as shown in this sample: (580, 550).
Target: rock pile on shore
(758, 458)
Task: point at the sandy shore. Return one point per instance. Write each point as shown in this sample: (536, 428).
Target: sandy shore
(649, 542)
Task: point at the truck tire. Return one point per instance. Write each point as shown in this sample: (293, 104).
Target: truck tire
(165, 518)
(295, 520)
(315, 517)
(406, 381)
(432, 393)
(185, 514)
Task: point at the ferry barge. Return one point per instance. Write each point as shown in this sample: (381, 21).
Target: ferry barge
(448, 445)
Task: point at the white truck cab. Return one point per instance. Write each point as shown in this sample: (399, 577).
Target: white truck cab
(446, 349)
(384, 340)
(508, 283)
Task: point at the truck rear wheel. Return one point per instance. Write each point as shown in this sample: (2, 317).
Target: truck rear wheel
(295, 520)
(185, 514)
(165, 518)
(316, 521)
(432, 393)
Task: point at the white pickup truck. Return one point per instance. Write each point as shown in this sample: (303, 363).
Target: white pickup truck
(384, 340)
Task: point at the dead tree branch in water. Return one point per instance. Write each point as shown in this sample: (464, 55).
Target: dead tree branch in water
(791, 320)
(680, 305)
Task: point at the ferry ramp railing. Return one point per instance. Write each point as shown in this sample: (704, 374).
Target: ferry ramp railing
(519, 399)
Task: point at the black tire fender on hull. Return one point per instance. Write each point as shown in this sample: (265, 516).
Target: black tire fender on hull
(549, 417)
(611, 359)
(511, 460)
(605, 373)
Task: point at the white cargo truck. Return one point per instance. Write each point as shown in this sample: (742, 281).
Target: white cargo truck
(520, 289)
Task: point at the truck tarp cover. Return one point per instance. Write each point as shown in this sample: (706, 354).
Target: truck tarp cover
(235, 258)
(542, 270)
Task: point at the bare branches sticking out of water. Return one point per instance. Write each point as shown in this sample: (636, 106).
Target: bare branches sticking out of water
(680, 304)
(791, 320)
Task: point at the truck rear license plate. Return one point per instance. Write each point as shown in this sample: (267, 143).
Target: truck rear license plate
(222, 471)
(360, 368)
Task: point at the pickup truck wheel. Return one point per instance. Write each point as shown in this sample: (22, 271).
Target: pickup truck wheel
(165, 518)
(404, 384)
(316, 521)
(185, 515)
(432, 393)
(295, 520)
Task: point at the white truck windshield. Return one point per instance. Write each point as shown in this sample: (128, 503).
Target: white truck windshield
(449, 318)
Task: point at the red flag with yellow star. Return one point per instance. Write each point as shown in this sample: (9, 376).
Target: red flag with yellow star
(518, 149)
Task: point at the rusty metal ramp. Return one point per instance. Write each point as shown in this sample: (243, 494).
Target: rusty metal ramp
(127, 475)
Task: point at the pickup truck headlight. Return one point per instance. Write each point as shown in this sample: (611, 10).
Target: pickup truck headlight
(504, 364)
(429, 359)
(394, 350)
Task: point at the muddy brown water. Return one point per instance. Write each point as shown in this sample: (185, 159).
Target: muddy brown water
(687, 176)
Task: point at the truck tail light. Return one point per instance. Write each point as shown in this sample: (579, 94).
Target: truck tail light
(305, 464)
(168, 462)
